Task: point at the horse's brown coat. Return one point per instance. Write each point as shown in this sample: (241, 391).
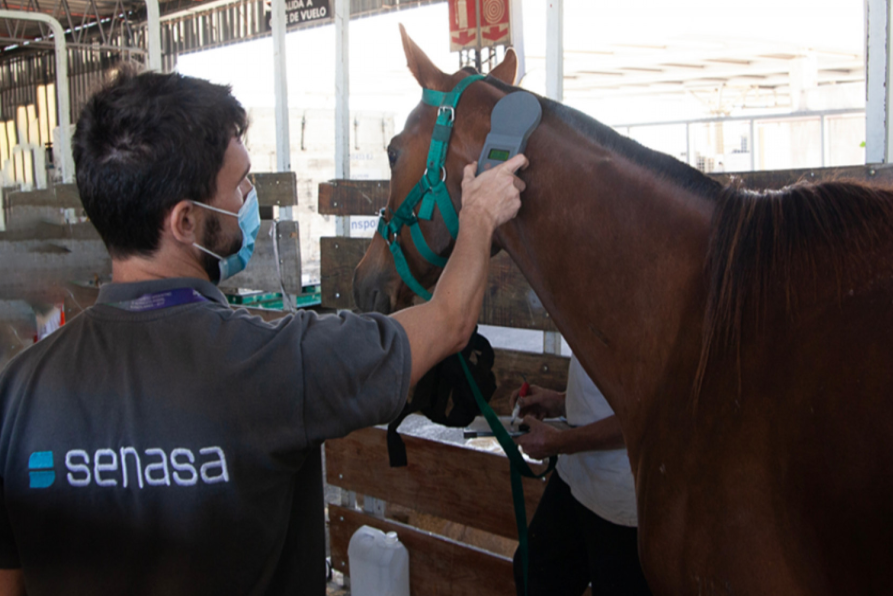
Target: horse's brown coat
(768, 469)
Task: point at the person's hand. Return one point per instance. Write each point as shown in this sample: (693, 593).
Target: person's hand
(542, 440)
(495, 195)
(539, 402)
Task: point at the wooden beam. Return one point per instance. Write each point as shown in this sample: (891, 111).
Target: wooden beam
(62, 196)
(366, 197)
(338, 257)
(509, 301)
(47, 256)
(454, 483)
(273, 189)
(262, 272)
(510, 368)
(777, 179)
(437, 565)
(277, 189)
(44, 256)
(353, 197)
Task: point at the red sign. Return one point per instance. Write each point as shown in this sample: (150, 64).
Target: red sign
(495, 28)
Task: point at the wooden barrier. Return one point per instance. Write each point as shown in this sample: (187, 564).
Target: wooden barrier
(367, 197)
(509, 301)
(463, 487)
(46, 245)
(452, 483)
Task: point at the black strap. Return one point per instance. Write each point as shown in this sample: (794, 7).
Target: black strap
(396, 447)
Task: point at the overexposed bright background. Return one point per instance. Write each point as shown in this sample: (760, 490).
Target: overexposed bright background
(625, 64)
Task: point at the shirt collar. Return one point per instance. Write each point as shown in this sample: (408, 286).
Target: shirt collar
(121, 292)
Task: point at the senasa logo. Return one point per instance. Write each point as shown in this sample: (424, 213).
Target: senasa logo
(127, 466)
(40, 469)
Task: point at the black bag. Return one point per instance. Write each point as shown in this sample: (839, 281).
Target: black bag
(444, 395)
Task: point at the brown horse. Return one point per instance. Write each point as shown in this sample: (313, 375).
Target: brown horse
(745, 340)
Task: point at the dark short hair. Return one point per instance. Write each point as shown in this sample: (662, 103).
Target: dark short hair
(145, 142)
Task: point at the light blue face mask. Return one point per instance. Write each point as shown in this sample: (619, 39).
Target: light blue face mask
(249, 223)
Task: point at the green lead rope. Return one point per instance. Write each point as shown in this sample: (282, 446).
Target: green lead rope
(431, 191)
(518, 467)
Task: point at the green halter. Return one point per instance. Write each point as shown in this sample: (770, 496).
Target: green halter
(430, 191)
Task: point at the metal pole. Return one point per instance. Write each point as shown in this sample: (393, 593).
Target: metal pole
(555, 49)
(280, 86)
(342, 103)
(877, 79)
(517, 24)
(153, 35)
(477, 20)
(63, 105)
(753, 146)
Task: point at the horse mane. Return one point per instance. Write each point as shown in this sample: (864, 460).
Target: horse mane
(772, 249)
(768, 249)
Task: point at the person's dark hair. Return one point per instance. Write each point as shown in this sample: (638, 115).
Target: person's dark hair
(145, 142)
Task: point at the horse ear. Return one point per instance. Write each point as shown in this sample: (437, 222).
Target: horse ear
(507, 70)
(424, 71)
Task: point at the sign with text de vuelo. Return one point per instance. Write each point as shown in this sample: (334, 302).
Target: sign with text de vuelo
(299, 12)
(495, 26)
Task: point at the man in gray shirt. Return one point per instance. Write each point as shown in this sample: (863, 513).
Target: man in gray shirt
(163, 443)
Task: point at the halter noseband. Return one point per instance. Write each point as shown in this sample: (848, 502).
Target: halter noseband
(431, 190)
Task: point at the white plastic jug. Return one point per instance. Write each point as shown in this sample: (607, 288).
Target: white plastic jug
(379, 564)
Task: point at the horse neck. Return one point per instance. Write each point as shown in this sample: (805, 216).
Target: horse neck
(617, 257)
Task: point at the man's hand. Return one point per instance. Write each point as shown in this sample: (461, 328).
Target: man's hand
(494, 196)
(542, 440)
(539, 402)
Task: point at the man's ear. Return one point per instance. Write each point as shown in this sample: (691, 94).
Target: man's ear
(183, 222)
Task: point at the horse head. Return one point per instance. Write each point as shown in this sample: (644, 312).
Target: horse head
(377, 283)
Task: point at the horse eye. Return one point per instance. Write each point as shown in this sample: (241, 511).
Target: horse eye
(392, 156)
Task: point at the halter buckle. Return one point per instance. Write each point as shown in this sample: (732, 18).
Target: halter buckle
(450, 109)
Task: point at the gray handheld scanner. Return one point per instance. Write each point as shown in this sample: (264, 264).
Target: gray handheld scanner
(513, 120)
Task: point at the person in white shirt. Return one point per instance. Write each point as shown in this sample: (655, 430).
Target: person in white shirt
(584, 529)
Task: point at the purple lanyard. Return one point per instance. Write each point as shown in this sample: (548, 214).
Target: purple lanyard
(159, 300)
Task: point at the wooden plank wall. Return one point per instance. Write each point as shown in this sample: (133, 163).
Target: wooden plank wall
(438, 566)
(366, 197)
(509, 301)
(449, 482)
(44, 251)
(444, 480)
